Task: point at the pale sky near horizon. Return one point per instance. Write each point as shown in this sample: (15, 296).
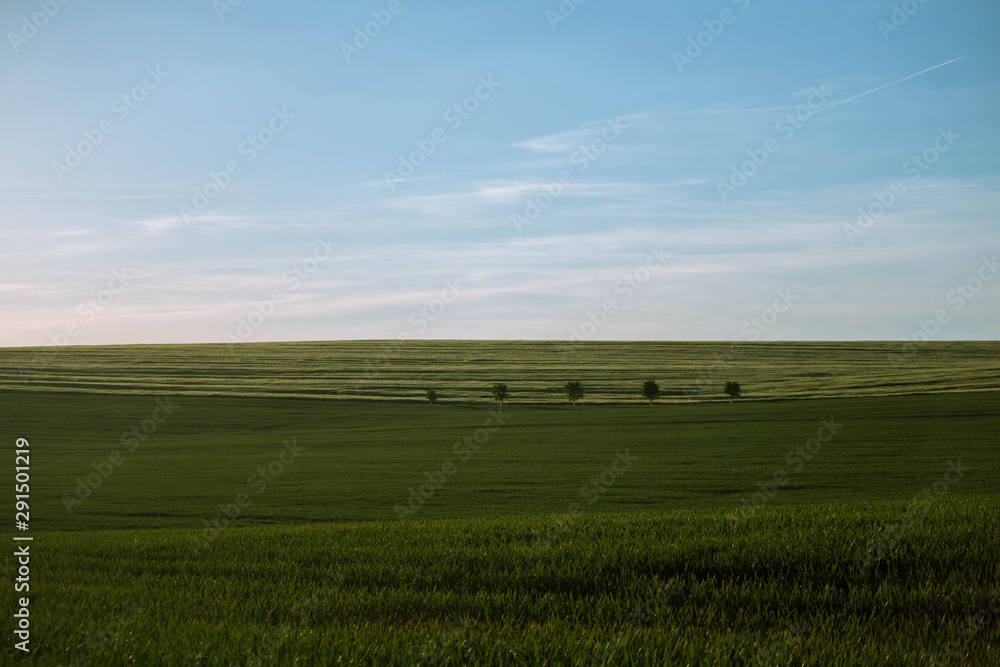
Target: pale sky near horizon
(498, 170)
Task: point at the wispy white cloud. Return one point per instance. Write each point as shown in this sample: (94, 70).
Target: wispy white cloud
(79, 249)
(59, 194)
(162, 224)
(570, 140)
(477, 204)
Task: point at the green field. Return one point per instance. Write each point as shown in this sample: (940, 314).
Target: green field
(671, 588)
(464, 371)
(286, 510)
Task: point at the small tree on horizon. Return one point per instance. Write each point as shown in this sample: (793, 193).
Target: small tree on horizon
(432, 396)
(500, 392)
(574, 391)
(733, 390)
(650, 390)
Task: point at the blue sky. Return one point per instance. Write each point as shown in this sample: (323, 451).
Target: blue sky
(583, 187)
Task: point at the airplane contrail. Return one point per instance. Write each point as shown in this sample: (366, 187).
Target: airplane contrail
(875, 90)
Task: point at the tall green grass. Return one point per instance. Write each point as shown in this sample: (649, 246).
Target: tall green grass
(666, 588)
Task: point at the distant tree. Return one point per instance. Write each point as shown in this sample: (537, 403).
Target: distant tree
(650, 390)
(733, 389)
(500, 392)
(432, 396)
(574, 391)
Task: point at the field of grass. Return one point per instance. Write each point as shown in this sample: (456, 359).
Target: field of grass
(357, 461)
(190, 507)
(536, 371)
(672, 588)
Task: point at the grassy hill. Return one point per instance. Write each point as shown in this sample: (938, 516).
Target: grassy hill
(196, 505)
(535, 371)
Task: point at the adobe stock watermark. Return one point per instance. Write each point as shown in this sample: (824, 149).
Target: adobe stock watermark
(121, 108)
(957, 298)
(105, 468)
(887, 197)
(755, 327)
(714, 28)
(424, 316)
(778, 651)
(795, 460)
(630, 284)
(462, 451)
(302, 610)
(92, 306)
(786, 127)
(420, 321)
(591, 491)
(30, 25)
(562, 13)
(454, 116)
(752, 329)
(96, 642)
(968, 631)
(223, 7)
(640, 617)
(259, 481)
(890, 536)
(720, 365)
(364, 35)
(581, 158)
(248, 150)
(899, 17)
(434, 649)
(293, 279)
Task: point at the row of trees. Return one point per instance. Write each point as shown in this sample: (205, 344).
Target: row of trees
(575, 391)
